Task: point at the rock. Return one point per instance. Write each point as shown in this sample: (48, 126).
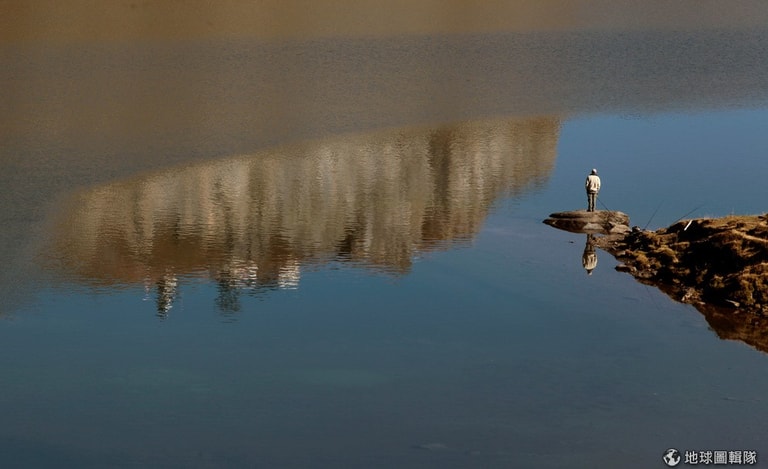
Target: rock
(582, 221)
(618, 228)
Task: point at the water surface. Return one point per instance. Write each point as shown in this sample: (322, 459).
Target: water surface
(328, 251)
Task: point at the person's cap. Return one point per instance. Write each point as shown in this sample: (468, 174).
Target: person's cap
(594, 171)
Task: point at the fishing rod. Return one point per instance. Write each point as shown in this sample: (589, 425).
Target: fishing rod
(603, 204)
(653, 215)
(687, 214)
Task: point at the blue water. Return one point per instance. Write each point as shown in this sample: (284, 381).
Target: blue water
(709, 161)
(498, 353)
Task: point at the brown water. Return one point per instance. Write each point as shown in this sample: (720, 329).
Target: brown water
(308, 234)
(79, 20)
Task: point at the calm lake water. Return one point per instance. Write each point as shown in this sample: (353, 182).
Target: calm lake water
(328, 252)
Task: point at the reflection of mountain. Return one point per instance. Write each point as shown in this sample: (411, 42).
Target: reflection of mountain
(95, 94)
(374, 200)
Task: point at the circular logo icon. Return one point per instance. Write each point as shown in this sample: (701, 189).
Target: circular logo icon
(671, 457)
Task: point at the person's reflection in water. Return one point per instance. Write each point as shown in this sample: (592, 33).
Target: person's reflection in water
(589, 258)
(166, 294)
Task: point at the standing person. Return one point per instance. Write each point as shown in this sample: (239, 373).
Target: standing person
(593, 187)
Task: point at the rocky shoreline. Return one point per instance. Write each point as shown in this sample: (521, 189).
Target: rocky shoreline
(719, 265)
(721, 261)
(582, 221)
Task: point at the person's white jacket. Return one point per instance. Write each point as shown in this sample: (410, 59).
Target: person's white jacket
(593, 184)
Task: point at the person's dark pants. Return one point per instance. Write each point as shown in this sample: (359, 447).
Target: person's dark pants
(591, 199)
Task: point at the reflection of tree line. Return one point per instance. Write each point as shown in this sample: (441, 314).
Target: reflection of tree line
(251, 222)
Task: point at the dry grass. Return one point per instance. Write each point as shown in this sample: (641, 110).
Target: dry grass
(719, 260)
